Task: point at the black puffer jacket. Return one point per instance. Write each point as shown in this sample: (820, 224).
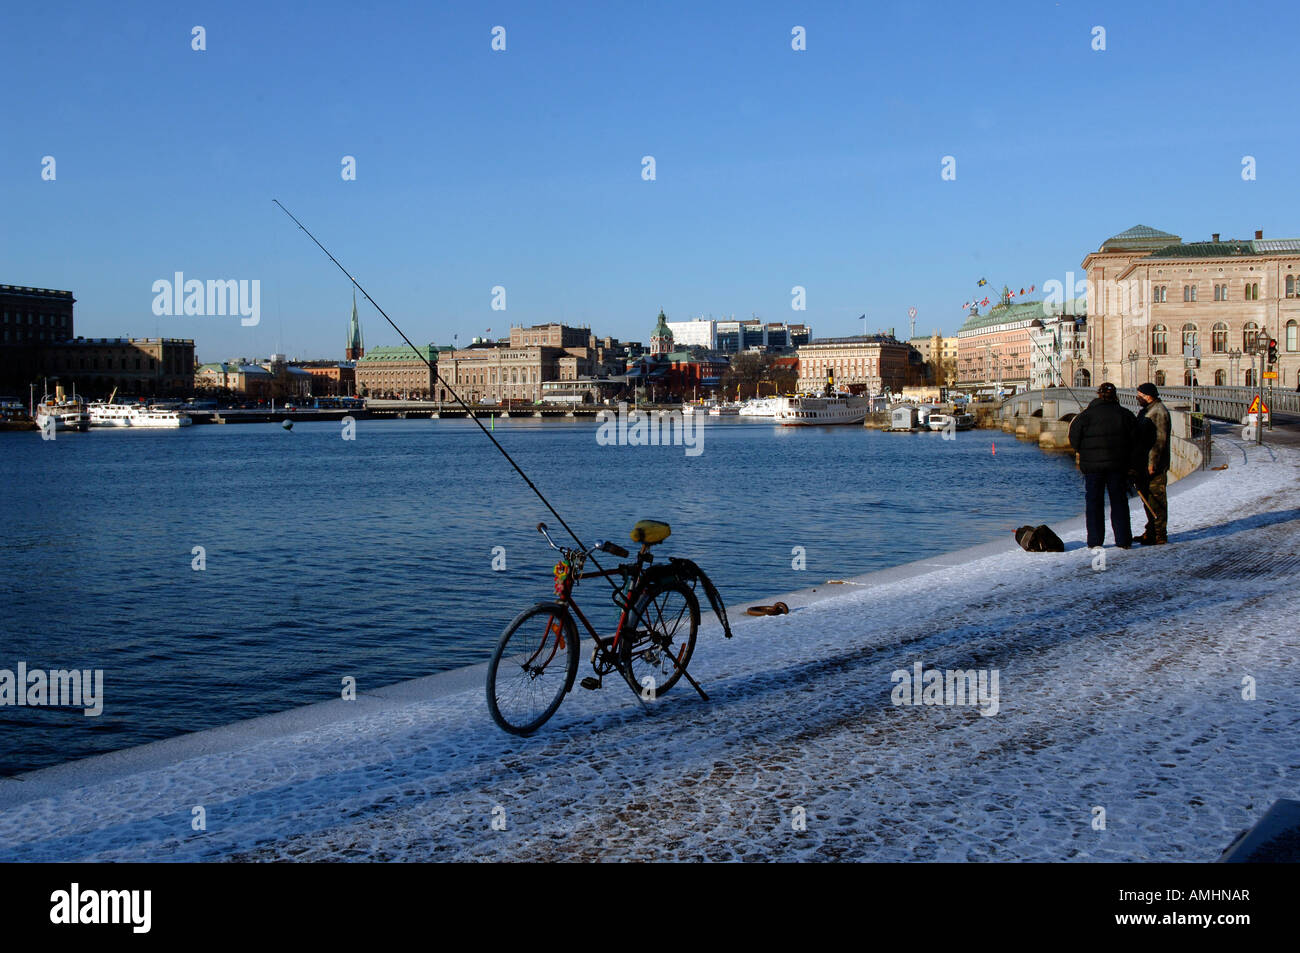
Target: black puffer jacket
(1104, 435)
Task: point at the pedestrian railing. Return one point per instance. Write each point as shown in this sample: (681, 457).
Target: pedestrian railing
(1221, 403)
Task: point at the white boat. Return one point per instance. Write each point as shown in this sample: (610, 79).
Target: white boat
(65, 414)
(923, 414)
(130, 415)
(163, 419)
(724, 410)
(951, 422)
(811, 411)
(760, 407)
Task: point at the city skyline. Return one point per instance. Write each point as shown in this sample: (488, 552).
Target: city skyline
(522, 169)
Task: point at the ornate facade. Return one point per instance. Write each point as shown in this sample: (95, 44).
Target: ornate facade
(1152, 295)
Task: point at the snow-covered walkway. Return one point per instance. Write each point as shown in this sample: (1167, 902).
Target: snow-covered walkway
(1120, 690)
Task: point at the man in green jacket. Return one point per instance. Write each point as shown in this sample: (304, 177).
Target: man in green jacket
(1151, 466)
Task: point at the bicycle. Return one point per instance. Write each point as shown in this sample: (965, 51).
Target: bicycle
(536, 659)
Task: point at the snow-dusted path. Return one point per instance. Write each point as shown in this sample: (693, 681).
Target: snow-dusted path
(1119, 689)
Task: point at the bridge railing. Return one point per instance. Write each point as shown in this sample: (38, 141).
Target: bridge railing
(1223, 403)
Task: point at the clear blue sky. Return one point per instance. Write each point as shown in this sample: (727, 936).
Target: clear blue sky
(775, 168)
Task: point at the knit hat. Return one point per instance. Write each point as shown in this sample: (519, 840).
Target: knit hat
(1150, 390)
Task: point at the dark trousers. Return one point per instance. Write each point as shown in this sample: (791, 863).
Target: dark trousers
(1096, 487)
(1155, 500)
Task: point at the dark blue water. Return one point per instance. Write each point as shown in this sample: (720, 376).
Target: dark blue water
(373, 557)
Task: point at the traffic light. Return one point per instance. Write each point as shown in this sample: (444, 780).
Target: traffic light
(1272, 350)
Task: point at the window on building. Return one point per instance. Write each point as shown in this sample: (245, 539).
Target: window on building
(1252, 291)
(1249, 336)
(1290, 336)
(1219, 338)
(1290, 286)
(1250, 377)
(1220, 377)
(1159, 340)
(1189, 335)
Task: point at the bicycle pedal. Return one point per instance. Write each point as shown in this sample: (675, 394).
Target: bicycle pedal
(590, 683)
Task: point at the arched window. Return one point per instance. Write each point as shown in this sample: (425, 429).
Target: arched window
(1290, 286)
(1082, 378)
(1252, 291)
(1250, 377)
(1249, 332)
(1159, 340)
(1160, 378)
(1189, 335)
(1291, 335)
(1220, 377)
(1219, 338)
(1187, 377)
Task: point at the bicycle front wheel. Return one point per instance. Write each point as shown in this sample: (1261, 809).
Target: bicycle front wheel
(532, 668)
(659, 638)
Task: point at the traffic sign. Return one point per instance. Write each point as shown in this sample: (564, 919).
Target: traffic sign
(1254, 406)
(1270, 375)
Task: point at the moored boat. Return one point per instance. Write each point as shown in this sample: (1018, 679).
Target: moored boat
(62, 413)
(760, 407)
(812, 411)
(107, 414)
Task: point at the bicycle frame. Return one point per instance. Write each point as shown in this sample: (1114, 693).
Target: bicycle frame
(633, 583)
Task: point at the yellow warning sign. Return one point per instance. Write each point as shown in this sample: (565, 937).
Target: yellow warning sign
(1270, 375)
(1254, 406)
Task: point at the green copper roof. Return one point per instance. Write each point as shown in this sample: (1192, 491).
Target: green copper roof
(1228, 249)
(1024, 311)
(401, 352)
(1139, 238)
(662, 329)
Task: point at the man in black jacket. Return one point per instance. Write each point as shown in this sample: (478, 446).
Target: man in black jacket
(1104, 436)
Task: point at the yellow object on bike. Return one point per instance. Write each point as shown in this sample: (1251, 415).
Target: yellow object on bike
(650, 532)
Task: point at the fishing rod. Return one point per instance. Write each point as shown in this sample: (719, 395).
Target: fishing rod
(1058, 371)
(440, 379)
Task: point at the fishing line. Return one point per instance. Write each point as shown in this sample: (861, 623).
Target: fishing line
(440, 379)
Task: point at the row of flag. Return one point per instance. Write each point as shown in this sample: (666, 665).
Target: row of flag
(984, 302)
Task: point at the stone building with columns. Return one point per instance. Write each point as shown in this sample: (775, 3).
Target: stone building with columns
(1150, 294)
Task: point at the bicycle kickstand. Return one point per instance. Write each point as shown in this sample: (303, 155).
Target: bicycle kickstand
(694, 684)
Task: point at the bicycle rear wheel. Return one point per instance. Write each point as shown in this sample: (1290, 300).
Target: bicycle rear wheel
(532, 668)
(659, 638)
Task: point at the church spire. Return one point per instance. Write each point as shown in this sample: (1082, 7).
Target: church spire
(355, 347)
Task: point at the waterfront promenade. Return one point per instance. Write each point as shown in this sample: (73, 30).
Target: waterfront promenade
(1120, 689)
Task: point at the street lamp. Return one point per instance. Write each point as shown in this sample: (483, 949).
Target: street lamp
(1132, 367)
(1234, 359)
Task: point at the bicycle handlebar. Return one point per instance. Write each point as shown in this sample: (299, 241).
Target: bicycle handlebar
(602, 546)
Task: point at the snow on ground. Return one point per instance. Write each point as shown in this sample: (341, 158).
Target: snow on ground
(1119, 689)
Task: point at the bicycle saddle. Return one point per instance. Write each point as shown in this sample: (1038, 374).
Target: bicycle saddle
(650, 532)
